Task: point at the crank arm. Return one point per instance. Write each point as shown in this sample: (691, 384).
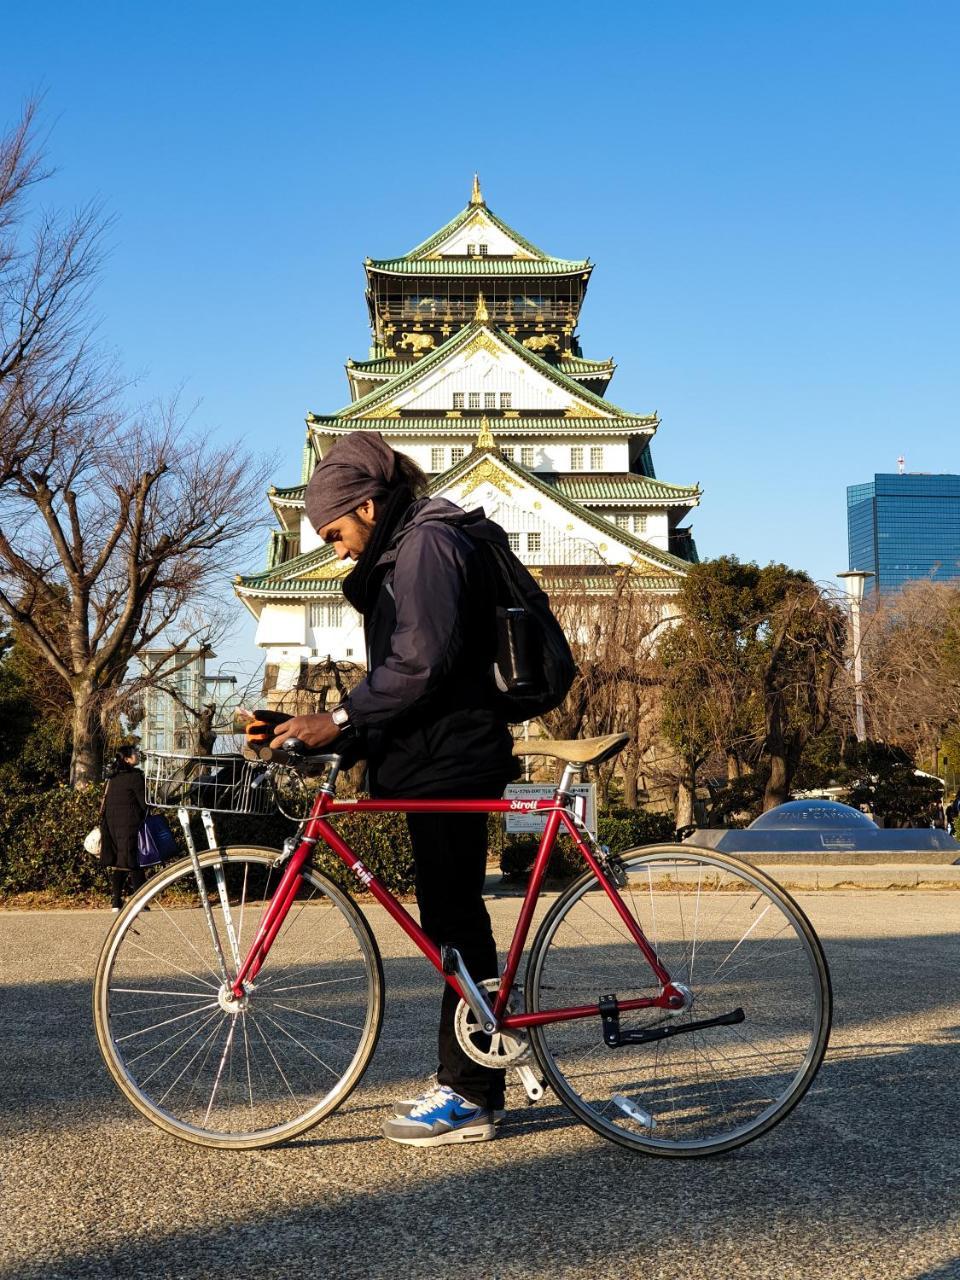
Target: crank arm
(613, 1037)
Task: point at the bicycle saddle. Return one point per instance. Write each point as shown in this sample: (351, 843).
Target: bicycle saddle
(577, 750)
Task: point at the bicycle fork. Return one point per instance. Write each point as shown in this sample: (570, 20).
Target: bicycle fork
(210, 832)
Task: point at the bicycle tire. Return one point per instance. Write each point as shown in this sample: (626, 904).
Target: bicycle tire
(324, 1021)
(713, 1089)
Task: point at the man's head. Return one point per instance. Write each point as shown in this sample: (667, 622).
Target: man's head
(349, 534)
(356, 473)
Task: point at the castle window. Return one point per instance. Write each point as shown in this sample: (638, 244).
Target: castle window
(457, 454)
(506, 400)
(621, 521)
(458, 399)
(576, 458)
(436, 459)
(325, 613)
(471, 249)
(474, 400)
(483, 250)
(640, 524)
(507, 450)
(596, 459)
(526, 455)
(533, 542)
(514, 540)
(489, 399)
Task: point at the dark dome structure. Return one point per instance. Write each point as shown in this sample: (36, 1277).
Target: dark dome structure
(812, 815)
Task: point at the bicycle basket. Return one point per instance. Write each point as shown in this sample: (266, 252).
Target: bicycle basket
(221, 784)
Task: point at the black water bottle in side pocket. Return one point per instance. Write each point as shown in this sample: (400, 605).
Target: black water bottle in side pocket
(516, 657)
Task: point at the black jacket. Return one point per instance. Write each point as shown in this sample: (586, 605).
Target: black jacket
(428, 704)
(124, 809)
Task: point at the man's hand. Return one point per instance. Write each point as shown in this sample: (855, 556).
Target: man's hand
(313, 731)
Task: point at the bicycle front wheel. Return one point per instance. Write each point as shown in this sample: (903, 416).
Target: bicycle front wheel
(735, 941)
(227, 1073)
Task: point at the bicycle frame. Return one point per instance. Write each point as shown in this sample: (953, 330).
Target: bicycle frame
(559, 816)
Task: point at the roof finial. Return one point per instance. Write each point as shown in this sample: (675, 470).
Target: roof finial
(476, 196)
(480, 315)
(485, 439)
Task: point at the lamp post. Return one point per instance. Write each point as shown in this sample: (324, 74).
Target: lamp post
(854, 581)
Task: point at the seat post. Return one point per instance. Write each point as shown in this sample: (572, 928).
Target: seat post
(570, 773)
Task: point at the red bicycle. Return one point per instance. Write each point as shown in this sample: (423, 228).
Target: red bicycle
(677, 1001)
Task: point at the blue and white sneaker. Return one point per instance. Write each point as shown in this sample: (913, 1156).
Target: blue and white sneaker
(403, 1106)
(438, 1118)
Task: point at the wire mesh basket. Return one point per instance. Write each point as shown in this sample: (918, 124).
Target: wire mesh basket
(221, 784)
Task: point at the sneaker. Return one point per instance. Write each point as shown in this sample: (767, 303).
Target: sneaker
(403, 1107)
(438, 1118)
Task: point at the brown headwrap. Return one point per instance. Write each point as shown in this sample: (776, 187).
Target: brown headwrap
(361, 465)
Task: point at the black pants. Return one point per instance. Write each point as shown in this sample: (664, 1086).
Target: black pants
(137, 878)
(450, 853)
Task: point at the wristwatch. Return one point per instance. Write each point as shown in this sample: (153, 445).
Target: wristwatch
(340, 716)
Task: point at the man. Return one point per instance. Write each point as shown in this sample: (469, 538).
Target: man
(427, 710)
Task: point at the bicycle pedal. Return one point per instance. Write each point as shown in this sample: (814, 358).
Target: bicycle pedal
(532, 1083)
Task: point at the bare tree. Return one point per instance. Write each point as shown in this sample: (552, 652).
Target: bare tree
(911, 643)
(116, 531)
(613, 632)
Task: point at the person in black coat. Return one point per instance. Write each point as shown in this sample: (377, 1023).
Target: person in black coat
(124, 809)
(429, 712)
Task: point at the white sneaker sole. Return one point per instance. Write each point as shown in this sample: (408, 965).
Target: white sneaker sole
(475, 1133)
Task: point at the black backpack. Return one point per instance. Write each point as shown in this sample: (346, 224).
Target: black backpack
(534, 668)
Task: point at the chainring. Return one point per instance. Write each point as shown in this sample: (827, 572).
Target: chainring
(506, 1049)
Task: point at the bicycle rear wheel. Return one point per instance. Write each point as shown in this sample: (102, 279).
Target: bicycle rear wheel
(233, 1074)
(735, 940)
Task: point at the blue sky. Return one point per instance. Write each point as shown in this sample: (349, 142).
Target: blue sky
(770, 193)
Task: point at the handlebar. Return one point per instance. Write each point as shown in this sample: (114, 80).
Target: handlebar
(293, 753)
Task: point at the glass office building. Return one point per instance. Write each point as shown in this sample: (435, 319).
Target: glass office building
(904, 527)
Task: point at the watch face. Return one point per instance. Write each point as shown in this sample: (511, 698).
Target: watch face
(339, 716)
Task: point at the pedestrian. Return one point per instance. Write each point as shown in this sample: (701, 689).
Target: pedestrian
(427, 709)
(124, 809)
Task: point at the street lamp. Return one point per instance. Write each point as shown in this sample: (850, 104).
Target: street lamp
(854, 581)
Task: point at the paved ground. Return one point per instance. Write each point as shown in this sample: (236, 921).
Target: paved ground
(861, 1182)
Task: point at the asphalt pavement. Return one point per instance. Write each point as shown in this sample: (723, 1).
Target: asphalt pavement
(861, 1182)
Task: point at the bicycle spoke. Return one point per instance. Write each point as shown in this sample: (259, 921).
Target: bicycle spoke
(737, 945)
(250, 1070)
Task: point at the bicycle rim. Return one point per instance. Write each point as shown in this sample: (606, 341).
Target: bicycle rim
(737, 941)
(208, 1071)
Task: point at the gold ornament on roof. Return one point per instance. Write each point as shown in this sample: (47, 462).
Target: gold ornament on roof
(481, 315)
(417, 342)
(486, 472)
(482, 342)
(476, 197)
(485, 439)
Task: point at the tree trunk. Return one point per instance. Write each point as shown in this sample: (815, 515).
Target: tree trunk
(684, 807)
(630, 790)
(778, 784)
(86, 763)
(734, 767)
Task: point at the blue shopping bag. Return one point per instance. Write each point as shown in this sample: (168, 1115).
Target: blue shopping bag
(155, 841)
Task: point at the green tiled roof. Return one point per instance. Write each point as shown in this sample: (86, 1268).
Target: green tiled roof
(576, 365)
(387, 390)
(627, 425)
(291, 494)
(625, 487)
(663, 558)
(457, 221)
(572, 366)
(478, 266)
(291, 579)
